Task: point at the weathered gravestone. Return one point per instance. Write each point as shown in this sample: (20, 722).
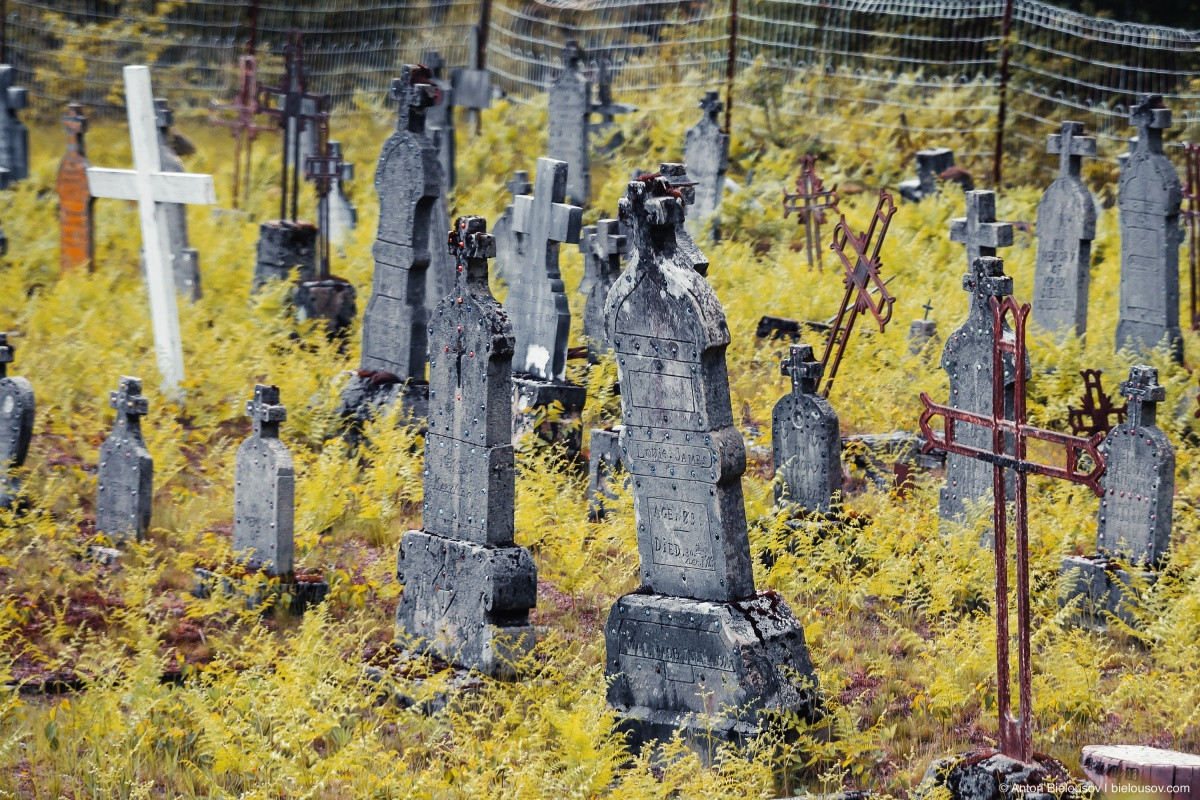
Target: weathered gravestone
(125, 477)
(922, 330)
(14, 137)
(570, 110)
(1066, 225)
(343, 216)
(1149, 198)
(602, 245)
(706, 153)
(510, 245)
(537, 303)
(677, 177)
(185, 260)
(16, 420)
(75, 203)
(439, 119)
(979, 231)
(930, 164)
(806, 440)
(264, 489)
(606, 109)
(1135, 509)
(468, 587)
(695, 640)
(408, 248)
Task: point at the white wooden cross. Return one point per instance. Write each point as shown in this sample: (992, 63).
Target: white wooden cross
(149, 185)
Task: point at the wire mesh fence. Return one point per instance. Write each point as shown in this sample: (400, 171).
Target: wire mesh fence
(905, 73)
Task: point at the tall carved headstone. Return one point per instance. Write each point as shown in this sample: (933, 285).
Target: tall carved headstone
(16, 419)
(696, 638)
(407, 249)
(510, 244)
(468, 587)
(706, 153)
(1136, 508)
(537, 302)
(570, 112)
(1066, 225)
(806, 439)
(75, 202)
(1149, 198)
(264, 489)
(603, 246)
(185, 260)
(125, 476)
(14, 137)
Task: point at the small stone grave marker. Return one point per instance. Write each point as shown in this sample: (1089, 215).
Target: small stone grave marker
(264, 489)
(14, 137)
(806, 439)
(706, 153)
(509, 244)
(439, 119)
(16, 419)
(922, 330)
(343, 216)
(126, 472)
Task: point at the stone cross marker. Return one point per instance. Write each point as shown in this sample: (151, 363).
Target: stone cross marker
(537, 299)
(1066, 225)
(343, 216)
(806, 440)
(1139, 484)
(468, 587)
(151, 186)
(979, 231)
(603, 245)
(126, 472)
(439, 119)
(16, 421)
(706, 153)
(696, 638)
(14, 137)
(1149, 199)
(570, 110)
(264, 488)
(185, 261)
(75, 202)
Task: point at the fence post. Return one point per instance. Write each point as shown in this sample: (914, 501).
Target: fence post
(731, 65)
(998, 158)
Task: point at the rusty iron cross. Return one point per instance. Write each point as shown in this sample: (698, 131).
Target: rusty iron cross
(862, 281)
(1015, 735)
(1191, 220)
(1096, 408)
(810, 202)
(242, 125)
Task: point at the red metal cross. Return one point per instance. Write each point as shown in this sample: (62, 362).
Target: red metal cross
(1015, 735)
(242, 125)
(1097, 410)
(816, 201)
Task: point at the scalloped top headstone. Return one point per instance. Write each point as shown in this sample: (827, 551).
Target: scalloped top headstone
(185, 261)
(126, 471)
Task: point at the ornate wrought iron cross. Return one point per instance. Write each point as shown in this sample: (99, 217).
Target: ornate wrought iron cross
(862, 279)
(810, 202)
(1015, 734)
(245, 130)
(1097, 409)
(1191, 220)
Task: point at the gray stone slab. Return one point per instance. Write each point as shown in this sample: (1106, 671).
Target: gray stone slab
(1139, 479)
(467, 588)
(537, 299)
(1066, 225)
(603, 247)
(1102, 591)
(439, 119)
(570, 110)
(706, 153)
(264, 489)
(1149, 198)
(125, 476)
(185, 261)
(16, 425)
(931, 163)
(604, 130)
(806, 440)
(287, 251)
(14, 137)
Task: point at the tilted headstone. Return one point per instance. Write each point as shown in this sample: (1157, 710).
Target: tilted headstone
(510, 246)
(14, 137)
(806, 440)
(16, 417)
(695, 639)
(570, 110)
(468, 588)
(603, 246)
(1149, 199)
(185, 260)
(407, 249)
(343, 216)
(125, 476)
(706, 153)
(75, 203)
(264, 489)
(930, 164)
(1066, 225)
(439, 119)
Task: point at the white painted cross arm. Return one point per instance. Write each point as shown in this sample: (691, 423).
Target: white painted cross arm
(166, 187)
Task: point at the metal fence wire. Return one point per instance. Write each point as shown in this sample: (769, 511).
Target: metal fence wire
(916, 72)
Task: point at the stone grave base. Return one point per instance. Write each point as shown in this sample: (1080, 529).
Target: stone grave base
(468, 603)
(330, 299)
(303, 590)
(367, 394)
(704, 668)
(1113, 765)
(988, 775)
(920, 333)
(532, 399)
(1105, 590)
(604, 458)
(284, 246)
